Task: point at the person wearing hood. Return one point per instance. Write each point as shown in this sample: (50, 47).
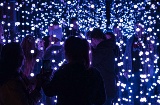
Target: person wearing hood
(103, 58)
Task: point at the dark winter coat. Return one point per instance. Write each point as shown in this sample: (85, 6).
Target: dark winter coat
(14, 90)
(74, 85)
(103, 58)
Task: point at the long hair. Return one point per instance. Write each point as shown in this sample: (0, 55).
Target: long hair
(28, 44)
(77, 50)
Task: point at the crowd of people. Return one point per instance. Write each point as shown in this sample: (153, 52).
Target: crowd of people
(89, 72)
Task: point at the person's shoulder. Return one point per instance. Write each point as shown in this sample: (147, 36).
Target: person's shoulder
(94, 75)
(62, 69)
(103, 44)
(93, 71)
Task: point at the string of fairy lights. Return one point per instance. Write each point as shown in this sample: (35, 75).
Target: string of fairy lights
(34, 17)
(125, 14)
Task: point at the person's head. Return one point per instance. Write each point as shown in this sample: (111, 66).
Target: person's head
(74, 21)
(12, 56)
(97, 36)
(54, 25)
(40, 44)
(29, 48)
(77, 50)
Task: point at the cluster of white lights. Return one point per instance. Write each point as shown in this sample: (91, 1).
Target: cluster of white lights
(35, 17)
(38, 15)
(125, 16)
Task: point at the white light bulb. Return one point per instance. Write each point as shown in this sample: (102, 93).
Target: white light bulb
(32, 51)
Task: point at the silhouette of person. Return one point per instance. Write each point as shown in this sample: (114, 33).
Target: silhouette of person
(111, 37)
(73, 29)
(76, 83)
(54, 51)
(103, 59)
(14, 87)
(31, 53)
